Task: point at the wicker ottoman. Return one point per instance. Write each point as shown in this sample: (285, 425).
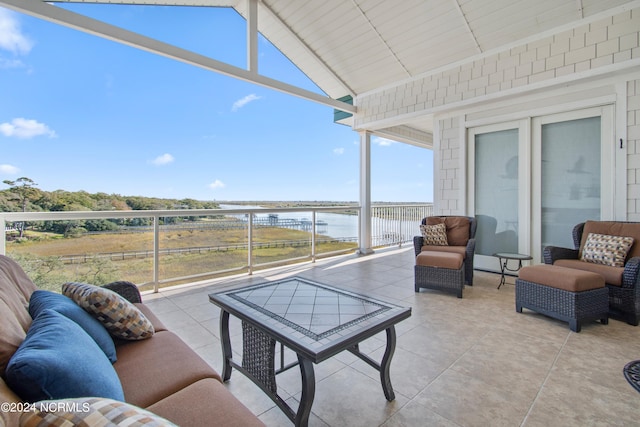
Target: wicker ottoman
(440, 270)
(567, 294)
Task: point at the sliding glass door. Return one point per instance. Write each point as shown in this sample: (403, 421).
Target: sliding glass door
(496, 182)
(573, 164)
(531, 181)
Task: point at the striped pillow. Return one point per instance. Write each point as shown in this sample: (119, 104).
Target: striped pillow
(88, 412)
(607, 250)
(121, 318)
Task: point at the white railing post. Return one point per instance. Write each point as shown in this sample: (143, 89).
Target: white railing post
(156, 253)
(250, 244)
(400, 224)
(313, 236)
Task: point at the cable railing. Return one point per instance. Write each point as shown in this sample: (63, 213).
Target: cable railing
(165, 247)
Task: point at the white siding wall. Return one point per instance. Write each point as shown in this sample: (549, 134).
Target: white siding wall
(449, 182)
(594, 50)
(597, 48)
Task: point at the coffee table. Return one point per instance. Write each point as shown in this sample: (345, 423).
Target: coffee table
(315, 320)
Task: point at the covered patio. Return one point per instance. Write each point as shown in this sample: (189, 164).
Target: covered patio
(441, 75)
(483, 83)
(458, 362)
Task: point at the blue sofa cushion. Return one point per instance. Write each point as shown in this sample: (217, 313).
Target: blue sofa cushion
(59, 360)
(41, 300)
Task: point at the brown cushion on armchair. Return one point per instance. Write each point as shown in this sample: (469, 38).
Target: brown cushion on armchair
(457, 228)
(613, 228)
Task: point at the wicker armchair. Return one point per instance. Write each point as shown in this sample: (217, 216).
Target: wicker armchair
(468, 250)
(623, 282)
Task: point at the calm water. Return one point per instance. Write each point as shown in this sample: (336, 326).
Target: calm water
(342, 226)
(338, 225)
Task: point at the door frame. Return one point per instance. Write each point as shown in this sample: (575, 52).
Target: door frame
(487, 262)
(607, 166)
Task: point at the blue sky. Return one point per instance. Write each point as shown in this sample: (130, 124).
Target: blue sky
(78, 112)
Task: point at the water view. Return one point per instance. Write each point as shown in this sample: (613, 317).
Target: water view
(389, 227)
(336, 225)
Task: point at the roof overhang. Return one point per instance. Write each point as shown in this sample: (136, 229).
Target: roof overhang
(89, 25)
(353, 48)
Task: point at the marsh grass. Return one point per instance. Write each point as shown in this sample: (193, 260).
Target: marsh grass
(40, 255)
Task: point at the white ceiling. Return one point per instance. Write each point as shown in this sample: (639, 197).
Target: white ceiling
(350, 47)
(356, 46)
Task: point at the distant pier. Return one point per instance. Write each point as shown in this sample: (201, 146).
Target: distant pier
(273, 220)
(229, 223)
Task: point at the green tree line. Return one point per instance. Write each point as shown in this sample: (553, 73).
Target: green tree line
(23, 195)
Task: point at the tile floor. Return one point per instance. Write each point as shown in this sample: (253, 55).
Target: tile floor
(458, 362)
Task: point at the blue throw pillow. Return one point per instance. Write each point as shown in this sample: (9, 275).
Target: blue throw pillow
(59, 360)
(41, 300)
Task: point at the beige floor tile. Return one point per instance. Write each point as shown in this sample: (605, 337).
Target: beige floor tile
(464, 362)
(570, 399)
(349, 398)
(509, 361)
(471, 402)
(415, 414)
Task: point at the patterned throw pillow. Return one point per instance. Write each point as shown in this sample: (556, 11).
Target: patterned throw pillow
(89, 412)
(607, 250)
(121, 318)
(434, 235)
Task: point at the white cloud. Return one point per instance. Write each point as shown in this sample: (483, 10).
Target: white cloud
(11, 36)
(25, 128)
(383, 142)
(165, 159)
(244, 101)
(11, 63)
(216, 184)
(9, 169)
(338, 151)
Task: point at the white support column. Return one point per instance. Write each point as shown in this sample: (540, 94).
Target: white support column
(365, 194)
(252, 36)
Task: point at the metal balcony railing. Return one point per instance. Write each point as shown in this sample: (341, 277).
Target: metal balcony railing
(179, 246)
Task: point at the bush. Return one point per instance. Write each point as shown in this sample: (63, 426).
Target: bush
(45, 272)
(50, 272)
